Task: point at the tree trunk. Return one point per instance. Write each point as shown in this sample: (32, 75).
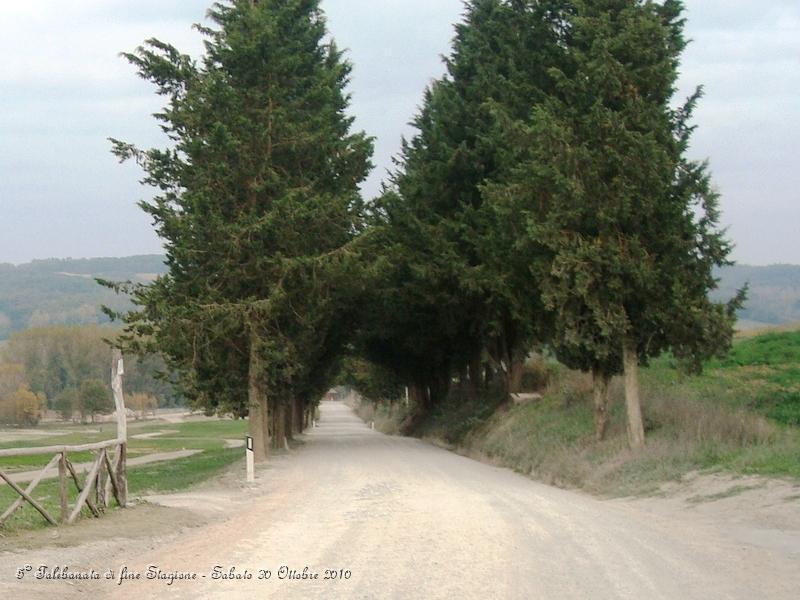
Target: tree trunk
(630, 359)
(488, 374)
(437, 390)
(463, 380)
(416, 394)
(474, 368)
(600, 387)
(299, 421)
(514, 377)
(288, 420)
(257, 419)
(278, 425)
(288, 417)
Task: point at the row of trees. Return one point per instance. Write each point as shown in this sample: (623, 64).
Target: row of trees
(90, 399)
(66, 368)
(546, 201)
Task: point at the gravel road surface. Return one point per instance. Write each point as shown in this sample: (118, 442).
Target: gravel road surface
(398, 518)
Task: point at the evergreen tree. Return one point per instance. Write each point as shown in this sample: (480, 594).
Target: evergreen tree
(455, 289)
(627, 224)
(257, 197)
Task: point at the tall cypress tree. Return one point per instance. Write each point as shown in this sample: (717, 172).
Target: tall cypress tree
(257, 196)
(626, 223)
(453, 259)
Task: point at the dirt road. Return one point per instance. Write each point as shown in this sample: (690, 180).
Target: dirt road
(398, 518)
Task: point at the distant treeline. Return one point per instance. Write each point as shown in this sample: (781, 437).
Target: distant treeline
(67, 368)
(64, 292)
(774, 292)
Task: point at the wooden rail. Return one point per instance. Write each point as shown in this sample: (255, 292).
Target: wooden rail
(102, 470)
(38, 451)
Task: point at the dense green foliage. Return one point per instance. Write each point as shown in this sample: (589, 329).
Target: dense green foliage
(453, 294)
(258, 199)
(38, 293)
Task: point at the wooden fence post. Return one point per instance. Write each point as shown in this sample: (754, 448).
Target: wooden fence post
(117, 370)
(83, 498)
(122, 476)
(103, 476)
(102, 482)
(62, 486)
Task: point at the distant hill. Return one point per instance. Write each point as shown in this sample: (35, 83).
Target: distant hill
(63, 291)
(774, 293)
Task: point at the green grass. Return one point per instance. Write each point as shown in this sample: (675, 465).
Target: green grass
(182, 473)
(164, 476)
(765, 371)
(772, 349)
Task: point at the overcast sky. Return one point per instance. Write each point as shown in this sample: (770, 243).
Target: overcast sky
(64, 91)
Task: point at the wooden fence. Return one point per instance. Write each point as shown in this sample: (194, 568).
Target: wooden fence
(106, 476)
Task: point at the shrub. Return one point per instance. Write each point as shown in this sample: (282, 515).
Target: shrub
(23, 407)
(67, 403)
(536, 375)
(141, 404)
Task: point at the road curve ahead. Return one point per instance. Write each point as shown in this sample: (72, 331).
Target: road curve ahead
(404, 519)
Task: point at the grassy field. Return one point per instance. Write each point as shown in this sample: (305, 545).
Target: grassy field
(740, 416)
(207, 436)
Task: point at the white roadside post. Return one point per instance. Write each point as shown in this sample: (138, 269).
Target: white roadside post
(251, 459)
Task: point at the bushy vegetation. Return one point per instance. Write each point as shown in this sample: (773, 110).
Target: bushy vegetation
(22, 407)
